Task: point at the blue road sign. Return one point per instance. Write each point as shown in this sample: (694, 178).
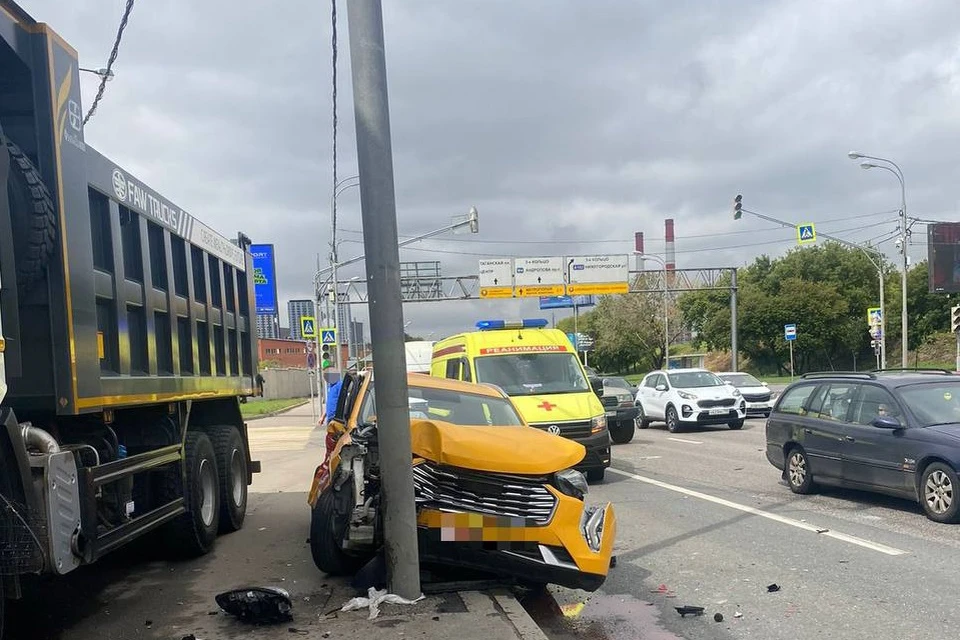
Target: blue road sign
(328, 336)
(566, 302)
(806, 233)
(789, 332)
(572, 337)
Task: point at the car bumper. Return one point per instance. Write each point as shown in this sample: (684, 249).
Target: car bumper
(598, 450)
(759, 408)
(694, 415)
(775, 455)
(555, 553)
(622, 415)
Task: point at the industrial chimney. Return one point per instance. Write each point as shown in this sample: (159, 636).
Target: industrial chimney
(638, 248)
(670, 257)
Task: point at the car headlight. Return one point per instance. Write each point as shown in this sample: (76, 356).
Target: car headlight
(686, 396)
(736, 393)
(572, 483)
(598, 424)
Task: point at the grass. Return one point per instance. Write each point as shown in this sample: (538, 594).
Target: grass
(255, 407)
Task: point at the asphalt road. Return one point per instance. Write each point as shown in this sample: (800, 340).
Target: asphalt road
(704, 517)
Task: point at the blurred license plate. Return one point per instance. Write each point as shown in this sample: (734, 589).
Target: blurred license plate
(611, 414)
(719, 412)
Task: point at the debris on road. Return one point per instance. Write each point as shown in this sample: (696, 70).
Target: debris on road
(374, 599)
(738, 614)
(718, 617)
(189, 636)
(613, 561)
(771, 588)
(259, 605)
(689, 610)
(822, 530)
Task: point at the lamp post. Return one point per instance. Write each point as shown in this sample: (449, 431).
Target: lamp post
(338, 188)
(103, 73)
(666, 307)
(903, 239)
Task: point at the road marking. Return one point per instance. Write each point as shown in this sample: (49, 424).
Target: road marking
(687, 441)
(648, 458)
(867, 544)
(279, 438)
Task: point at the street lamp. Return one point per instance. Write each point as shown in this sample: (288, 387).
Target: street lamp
(666, 308)
(903, 239)
(103, 73)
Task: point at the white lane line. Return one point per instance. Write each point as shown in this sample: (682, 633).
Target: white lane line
(867, 544)
(687, 441)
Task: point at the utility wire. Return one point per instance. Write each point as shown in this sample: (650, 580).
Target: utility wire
(333, 207)
(110, 61)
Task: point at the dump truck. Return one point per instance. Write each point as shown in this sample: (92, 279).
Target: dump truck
(127, 340)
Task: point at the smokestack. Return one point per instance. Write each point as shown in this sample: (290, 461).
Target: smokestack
(638, 247)
(670, 254)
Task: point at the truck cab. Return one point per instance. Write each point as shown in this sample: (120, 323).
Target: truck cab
(539, 369)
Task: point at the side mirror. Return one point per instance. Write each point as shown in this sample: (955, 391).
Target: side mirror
(661, 387)
(886, 422)
(765, 384)
(597, 385)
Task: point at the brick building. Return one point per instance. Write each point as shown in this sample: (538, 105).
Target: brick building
(287, 353)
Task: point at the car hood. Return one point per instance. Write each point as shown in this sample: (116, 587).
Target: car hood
(952, 430)
(709, 393)
(558, 407)
(520, 449)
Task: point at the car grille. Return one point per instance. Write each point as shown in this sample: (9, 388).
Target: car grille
(579, 429)
(610, 402)
(759, 397)
(463, 491)
(726, 402)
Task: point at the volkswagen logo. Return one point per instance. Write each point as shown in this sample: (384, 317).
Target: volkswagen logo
(554, 429)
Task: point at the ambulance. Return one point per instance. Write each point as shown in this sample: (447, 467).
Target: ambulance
(541, 372)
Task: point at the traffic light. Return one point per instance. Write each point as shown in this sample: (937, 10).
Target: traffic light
(325, 357)
(737, 207)
(955, 318)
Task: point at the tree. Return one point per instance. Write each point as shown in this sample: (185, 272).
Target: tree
(409, 338)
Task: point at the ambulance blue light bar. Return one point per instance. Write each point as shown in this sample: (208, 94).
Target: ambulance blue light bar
(527, 323)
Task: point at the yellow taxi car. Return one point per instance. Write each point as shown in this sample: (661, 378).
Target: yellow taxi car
(479, 506)
(540, 371)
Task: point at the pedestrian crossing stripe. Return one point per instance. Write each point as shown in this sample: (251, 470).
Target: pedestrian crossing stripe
(280, 438)
(806, 233)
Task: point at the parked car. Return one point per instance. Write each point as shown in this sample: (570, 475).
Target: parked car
(756, 394)
(896, 433)
(687, 397)
(621, 410)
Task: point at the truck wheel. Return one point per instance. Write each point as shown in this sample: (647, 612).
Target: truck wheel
(34, 218)
(325, 539)
(232, 465)
(623, 432)
(194, 532)
(596, 474)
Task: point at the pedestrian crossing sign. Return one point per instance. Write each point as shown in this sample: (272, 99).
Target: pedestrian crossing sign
(328, 336)
(308, 327)
(806, 233)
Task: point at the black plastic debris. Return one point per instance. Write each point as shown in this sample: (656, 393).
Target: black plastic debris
(189, 637)
(613, 561)
(718, 617)
(773, 587)
(257, 605)
(373, 574)
(686, 610)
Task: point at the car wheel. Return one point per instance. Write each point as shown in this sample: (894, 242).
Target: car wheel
(641, 420)
(736, 424)
(938, 493)
(622, 432)
(596, 474)
(798, 471)
(673, 420)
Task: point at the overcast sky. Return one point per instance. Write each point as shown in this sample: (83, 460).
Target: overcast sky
(569, 124)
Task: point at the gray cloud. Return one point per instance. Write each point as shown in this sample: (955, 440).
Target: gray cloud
(569, 125)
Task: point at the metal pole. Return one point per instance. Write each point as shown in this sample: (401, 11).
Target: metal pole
(379, 214)
(958, 351)
(903, 286)
(883, 321)
(790, 342)
(666, 321)
(733, 324)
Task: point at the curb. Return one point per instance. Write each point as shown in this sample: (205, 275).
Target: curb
(274, 414)
(518, 617)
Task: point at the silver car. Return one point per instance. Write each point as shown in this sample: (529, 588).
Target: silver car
(756, 394)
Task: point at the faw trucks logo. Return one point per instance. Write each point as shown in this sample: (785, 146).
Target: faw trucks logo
(120, 185)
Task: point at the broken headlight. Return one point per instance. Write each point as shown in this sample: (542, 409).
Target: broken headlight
(572, 483)
(591, 526)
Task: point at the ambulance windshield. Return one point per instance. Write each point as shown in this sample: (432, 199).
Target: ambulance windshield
(524, 374)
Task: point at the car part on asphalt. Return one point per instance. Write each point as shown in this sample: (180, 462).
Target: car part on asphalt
(772, 588)
(257, 605)
(686, 610)
(718, 617)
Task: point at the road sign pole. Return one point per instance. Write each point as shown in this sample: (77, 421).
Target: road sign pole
(379, 214)
(790, 342)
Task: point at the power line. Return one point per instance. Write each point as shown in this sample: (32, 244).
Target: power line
(113, 56)
(333, 206)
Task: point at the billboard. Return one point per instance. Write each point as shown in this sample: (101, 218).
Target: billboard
(264, 278)
(566, 302)
(943, 257)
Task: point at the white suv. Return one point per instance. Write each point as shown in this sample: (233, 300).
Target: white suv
(684, 397)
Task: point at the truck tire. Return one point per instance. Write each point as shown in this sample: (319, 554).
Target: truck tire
(232, 464)
(325, 539)
(622, 432)
(194, 532)
(34, 218)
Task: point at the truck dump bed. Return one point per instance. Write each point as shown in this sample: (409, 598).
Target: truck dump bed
(138, 301)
